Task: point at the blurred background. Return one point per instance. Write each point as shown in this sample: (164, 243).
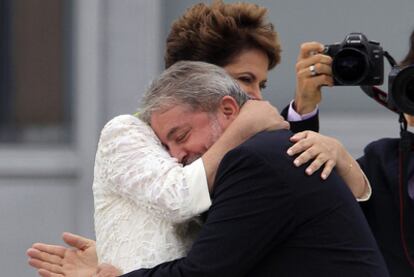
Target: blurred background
(68, 66)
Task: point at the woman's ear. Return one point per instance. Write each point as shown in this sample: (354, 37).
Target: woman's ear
(228, 107)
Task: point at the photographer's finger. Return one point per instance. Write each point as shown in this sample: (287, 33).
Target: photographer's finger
(315, 59)
(309, 48)
(329, 165)
(323, 80)
(323, 69)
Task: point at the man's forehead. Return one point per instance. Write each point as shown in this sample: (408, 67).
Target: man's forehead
(169, 121)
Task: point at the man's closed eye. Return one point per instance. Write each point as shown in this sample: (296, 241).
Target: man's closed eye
(182, 137)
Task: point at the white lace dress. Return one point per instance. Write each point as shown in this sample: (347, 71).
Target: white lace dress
(145, 201)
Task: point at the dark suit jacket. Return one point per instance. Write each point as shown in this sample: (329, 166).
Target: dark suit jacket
(311, 124)
(380, 163)
(269, 219)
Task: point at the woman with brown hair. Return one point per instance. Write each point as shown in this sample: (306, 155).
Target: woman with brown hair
(239, 38)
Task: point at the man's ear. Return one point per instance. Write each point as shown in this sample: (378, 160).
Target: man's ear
(228, 107)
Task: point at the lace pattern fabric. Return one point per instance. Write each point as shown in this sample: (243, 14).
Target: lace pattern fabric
(144, 199)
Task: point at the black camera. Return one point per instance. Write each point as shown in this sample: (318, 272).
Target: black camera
(401, 89)
(357, 61)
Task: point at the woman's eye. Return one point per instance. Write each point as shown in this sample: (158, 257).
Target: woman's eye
(263, 86)
(245, 79)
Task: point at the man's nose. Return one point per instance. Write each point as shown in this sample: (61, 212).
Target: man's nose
(178, 152)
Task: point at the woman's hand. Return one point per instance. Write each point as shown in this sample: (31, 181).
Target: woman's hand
(59, 261)
(324, 151)
(313, 70)
(329, 152)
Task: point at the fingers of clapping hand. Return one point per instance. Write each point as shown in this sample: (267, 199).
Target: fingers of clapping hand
(308, 48)
(46, 256)
(77, 241)
(47, 267)
(45, 273)
(56, 250)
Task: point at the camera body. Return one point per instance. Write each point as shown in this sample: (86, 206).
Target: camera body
(401, 89)
(357, 61)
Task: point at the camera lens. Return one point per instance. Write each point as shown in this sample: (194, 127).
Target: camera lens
(410, 90)
(350, 66)
(403, 90)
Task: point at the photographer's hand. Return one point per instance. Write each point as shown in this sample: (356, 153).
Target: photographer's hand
(308, 84)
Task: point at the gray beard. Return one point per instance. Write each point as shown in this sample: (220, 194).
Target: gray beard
(216, 132)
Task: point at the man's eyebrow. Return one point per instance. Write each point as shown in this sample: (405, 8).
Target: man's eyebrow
(172, 132)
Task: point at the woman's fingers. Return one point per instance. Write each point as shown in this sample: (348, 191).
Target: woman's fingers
(315, 149)
(315, 164)
(299, 136)
(329, 165)
(306, 156)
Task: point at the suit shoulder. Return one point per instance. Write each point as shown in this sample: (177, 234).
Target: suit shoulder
(382, 149)
(264, 147)
(275, 142)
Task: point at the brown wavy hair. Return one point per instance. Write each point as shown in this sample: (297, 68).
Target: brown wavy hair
(218, 33)
(409, 59)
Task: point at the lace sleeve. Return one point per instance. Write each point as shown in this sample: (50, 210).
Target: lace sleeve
(131, 161)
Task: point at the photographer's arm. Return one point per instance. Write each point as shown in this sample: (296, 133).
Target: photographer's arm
(302, 113)
(308, 84)
(329, 152)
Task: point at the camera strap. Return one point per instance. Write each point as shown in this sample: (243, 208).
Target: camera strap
(379, 96)
(407, 235)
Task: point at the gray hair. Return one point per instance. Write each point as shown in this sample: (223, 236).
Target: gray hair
(199, 85)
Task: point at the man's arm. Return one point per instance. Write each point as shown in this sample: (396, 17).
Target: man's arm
(250, 214)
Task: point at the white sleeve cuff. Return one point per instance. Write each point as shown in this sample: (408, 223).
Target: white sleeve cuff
(196, 178)
(368, 190)
(294, 116)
